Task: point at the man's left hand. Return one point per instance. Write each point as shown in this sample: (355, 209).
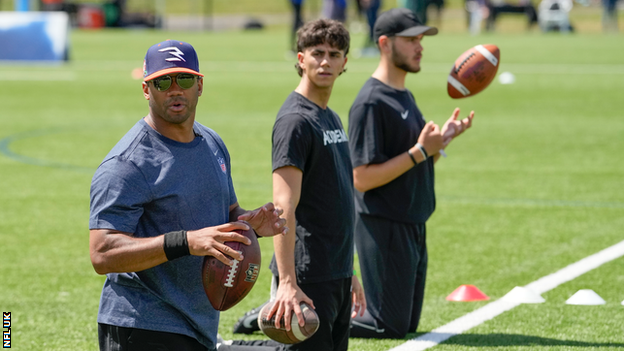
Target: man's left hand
(266, 220)
(453, 128)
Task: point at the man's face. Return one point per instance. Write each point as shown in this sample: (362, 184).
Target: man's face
(174, 105)
(322, 64)
(407, 52)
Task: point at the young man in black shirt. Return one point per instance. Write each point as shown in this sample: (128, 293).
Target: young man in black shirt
(313, 184)
(393, 153)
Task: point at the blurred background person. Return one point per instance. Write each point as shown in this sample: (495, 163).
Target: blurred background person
(438, 5)
(610, 17)
(297, 22)
(370, 8)
(51, 5)
(335, 9)
(419, 7)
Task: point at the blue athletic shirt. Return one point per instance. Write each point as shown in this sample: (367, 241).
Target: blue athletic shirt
(150, 185)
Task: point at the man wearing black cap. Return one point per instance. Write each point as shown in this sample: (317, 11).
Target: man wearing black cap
(160, 201)
(393, 151)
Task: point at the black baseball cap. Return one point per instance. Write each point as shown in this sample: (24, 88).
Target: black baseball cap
(400, 22)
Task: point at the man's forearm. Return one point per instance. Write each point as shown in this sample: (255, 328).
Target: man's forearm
(371, 176)
(284, 246)
(120, 253)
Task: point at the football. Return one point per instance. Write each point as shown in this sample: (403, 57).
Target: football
(226, 285)
(473, 71)
(296, 333)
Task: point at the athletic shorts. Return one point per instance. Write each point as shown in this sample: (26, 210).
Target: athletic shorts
(114, 338)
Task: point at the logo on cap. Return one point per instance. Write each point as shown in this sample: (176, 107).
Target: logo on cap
(176, 52)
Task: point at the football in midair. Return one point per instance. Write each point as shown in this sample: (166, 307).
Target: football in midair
(226, 285)
(296, 333)
(473, 71)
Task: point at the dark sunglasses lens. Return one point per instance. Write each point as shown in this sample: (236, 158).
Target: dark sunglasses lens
(185, 81)
(162, 83)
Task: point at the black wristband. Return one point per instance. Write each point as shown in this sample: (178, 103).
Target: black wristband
(412, 157)
(176, 245)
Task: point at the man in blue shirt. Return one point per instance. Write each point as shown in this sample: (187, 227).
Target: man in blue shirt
(161, 200)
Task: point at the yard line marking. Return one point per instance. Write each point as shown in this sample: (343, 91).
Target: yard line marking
(5, 149)
(498, 307)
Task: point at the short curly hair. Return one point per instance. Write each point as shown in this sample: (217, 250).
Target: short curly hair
(322, 31)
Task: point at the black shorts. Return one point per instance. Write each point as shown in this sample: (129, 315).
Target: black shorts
(114, 338)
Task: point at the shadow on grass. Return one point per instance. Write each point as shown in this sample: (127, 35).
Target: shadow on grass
(492, 340)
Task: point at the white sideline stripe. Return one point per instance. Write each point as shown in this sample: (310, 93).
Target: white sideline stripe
(487, 54)
(497, 307)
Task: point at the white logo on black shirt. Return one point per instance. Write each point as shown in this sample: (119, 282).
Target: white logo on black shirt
(404, 114)
(334, 136)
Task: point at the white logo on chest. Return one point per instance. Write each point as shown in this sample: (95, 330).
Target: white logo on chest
(404, 114)
(334, 136)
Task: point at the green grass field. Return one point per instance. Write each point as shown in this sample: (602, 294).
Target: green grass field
(535, 185)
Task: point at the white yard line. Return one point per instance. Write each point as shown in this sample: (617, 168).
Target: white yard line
(498, 307)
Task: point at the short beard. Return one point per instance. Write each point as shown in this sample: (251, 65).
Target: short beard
(400, 61)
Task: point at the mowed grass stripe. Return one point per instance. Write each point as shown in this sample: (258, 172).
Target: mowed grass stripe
(62, 72)
(5, 149)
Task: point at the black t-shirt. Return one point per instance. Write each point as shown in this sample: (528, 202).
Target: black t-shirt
(314, 140)
(383, 123)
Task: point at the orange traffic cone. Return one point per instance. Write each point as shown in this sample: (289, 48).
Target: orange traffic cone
(467, 293)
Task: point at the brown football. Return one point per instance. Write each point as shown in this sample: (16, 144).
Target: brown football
(296, 333)
(226, 285)
(473, 71)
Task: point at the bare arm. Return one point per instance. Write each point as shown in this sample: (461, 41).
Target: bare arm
(286, 194)
(370, 176)
(116, 252)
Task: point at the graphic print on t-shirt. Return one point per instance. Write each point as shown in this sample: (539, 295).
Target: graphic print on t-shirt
(334, 136)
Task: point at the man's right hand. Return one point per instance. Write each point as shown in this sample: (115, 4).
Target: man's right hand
(210, 241)
(431, 138)
(288, 299)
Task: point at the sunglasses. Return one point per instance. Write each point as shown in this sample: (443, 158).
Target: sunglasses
(184, 81)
